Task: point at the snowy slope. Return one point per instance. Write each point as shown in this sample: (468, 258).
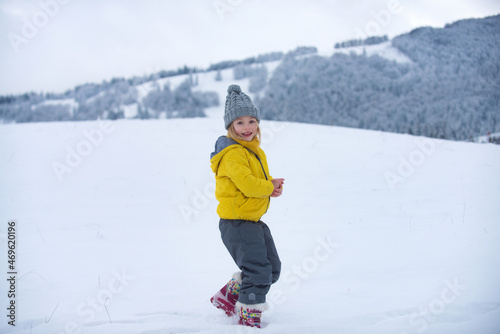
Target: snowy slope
(378, 232)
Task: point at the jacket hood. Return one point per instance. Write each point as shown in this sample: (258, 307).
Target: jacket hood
(222, 145)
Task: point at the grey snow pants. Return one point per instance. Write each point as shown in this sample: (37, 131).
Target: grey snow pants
(252, 248)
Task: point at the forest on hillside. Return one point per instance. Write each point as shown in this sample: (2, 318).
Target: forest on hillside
(450, 90)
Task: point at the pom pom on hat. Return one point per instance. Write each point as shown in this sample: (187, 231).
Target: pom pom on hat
(233, 88)
(238, 104)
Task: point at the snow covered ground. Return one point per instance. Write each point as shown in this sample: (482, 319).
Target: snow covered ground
(116, 230)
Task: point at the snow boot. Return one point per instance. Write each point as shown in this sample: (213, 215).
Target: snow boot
(250, 314)
(226, 298)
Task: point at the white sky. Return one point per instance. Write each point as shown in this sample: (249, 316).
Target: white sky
(54, 45)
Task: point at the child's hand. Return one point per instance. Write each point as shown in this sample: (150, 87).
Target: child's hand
(278, 187)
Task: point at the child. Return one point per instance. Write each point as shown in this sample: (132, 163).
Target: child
(243, 189)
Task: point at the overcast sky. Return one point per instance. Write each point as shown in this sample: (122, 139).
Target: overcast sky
(54, 45)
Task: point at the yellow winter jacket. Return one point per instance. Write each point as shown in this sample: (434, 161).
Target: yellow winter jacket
(243, 184)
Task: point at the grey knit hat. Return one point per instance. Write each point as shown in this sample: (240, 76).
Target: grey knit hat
(238, 104)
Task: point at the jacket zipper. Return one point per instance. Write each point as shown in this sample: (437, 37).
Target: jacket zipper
(262, 166)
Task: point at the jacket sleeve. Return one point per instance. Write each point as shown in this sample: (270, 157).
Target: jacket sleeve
(238, 170)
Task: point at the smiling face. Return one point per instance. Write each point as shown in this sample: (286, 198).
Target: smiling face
(246, 127)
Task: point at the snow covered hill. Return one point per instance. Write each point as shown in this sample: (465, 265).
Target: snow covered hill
(127, 98)
(116, 230)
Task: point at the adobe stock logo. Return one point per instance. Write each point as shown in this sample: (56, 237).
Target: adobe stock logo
(75, 156)
(223, 6)
(381, 19)
(31, 26)
(408, 165)
(421, 319)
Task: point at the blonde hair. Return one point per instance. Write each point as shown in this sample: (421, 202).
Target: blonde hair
(231, 132)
